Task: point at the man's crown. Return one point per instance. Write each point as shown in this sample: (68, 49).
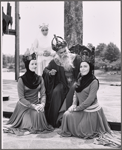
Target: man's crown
(58, 43)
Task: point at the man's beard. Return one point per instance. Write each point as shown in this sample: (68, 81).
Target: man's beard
(67, 62)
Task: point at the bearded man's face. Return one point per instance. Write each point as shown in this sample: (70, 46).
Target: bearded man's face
(65, 58)
(63, 52)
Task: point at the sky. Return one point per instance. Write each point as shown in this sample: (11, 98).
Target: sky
(101, 22)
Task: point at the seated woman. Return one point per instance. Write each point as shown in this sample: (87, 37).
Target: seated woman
(85, 118)
(29, 112)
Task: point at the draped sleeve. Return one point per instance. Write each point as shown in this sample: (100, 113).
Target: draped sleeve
(22, 99)
(91, 97)
(75, 99)
(42, 93)
(49, 80)
(35, 47)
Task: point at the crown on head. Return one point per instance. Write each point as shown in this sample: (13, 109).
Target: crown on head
(58, 43)
(29, 56)
(43, 26)
(86, 58)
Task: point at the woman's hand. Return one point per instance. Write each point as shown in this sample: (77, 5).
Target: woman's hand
(35, 107)
(72, 108)
(40, 107)
(46, 53)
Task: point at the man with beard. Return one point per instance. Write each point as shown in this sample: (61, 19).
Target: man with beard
(59, 77)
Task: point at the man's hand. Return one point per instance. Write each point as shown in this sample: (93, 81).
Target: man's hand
(52, 72)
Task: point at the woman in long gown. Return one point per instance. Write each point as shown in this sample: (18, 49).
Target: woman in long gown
(29, 111)
(42, 47)
(85, 118)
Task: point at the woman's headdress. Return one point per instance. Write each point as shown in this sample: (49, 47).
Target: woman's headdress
(28, 56)
(58, 43)
(88, 54)
(44, 26)
(30, 78)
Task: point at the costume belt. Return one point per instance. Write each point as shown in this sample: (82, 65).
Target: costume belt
(22, 104)
(93, 108)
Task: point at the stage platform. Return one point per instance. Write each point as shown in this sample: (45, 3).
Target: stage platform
(108, 96)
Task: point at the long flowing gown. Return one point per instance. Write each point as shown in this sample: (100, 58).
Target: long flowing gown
(89, 121)
(25, 117)
(41, 44)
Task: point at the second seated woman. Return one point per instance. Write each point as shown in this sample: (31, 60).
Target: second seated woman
(42, 47)
(85, 118)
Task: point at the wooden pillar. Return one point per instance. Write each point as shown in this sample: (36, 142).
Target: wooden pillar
(1, 29)
(73, 22)
(1, 48)
(17, 40)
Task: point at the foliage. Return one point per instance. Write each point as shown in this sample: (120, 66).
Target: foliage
(107, 57)
(11, 66)
(112, 52)
(100, 49)
(7, 59)
(106, 65)
(116, 65)
(4, 61)
(99, 63)
(9, 62)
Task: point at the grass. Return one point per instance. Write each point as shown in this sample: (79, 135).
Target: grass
(108, 76)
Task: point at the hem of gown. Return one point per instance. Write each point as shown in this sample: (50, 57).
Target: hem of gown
(102, 126)
(25, 131)
(68, 134)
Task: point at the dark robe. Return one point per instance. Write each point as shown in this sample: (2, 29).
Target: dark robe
(57, 90)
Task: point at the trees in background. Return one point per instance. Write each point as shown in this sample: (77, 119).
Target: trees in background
(100, 49)
(107, 57)
(112, 52)
(9, 61)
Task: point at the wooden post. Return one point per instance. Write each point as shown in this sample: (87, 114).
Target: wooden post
(73, 22)
(16, 40)
(2, 29)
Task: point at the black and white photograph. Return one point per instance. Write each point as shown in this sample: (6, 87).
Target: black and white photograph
(61, 74)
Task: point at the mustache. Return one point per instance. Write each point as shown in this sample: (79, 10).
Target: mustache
(66, 56)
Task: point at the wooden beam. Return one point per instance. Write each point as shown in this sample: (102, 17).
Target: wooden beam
(17, 40)
(10, 32)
